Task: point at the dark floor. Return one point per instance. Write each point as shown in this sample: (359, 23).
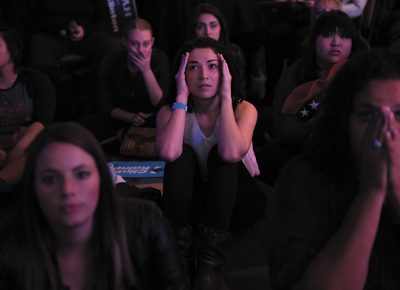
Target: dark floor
(246, 267)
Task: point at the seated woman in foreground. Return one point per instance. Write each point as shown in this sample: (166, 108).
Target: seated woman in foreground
(335, 215)
(72, 232)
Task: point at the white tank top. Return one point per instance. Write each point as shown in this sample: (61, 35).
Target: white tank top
(202, 145)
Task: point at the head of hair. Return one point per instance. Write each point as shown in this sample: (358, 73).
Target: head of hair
(108, 238)
(329, 144)
(14, 46)
(207, 8)
(217, 47)
(328, 23)
(137, 23)
(337, 4)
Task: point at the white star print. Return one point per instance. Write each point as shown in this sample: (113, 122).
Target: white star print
(304, 112)
(314, 105)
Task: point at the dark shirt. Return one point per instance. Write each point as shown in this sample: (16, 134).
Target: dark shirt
(151, 244)
(305, 211)
(288, 130)
(119, 88)
(30, 99)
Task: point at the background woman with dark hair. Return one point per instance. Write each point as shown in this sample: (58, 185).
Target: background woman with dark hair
(332, 40)
(204, 137)
(27, 104)
(207, 21)
(334, 218)
(72, 231)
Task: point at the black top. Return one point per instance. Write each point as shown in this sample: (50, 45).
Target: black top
(305, 211)
(30, 99)
(151, 244)
(119, 88)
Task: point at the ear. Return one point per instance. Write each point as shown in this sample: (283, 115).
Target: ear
(152, 41)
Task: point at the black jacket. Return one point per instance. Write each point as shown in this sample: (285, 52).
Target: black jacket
(151, 243)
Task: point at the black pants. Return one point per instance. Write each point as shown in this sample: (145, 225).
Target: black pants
(229, 199)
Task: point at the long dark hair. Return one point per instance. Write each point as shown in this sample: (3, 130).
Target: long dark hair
(218, 47)
(329, 145)
(14, 46)
(328, 23)
(109, 245)
(208, 8)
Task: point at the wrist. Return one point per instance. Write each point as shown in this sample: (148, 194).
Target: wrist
(179, 106)
(181, 99)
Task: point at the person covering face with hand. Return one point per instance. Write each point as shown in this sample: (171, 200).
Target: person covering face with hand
(133, 81)
(344, 233)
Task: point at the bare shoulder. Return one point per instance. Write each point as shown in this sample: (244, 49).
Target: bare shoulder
(245, 107)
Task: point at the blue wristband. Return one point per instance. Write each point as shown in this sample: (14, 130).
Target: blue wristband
(180, 106)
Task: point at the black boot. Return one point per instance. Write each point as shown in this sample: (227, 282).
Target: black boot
(210, 259)
(184, 238)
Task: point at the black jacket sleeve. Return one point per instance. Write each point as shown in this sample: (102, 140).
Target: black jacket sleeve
(153, 246)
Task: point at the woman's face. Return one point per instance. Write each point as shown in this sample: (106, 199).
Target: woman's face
(140, 42)
(369, 106)
(208, 26)
(331, 49)
(4, 53)
(67, 185)
(203, 73)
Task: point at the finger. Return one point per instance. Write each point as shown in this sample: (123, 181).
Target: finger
(225, 67)
(392, 131)
(144, 115)
(182, 67)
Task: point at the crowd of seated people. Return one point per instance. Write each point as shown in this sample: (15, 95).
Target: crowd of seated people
(334, 102)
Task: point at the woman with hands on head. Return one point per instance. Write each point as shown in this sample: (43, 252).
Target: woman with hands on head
(204, 137)
(334, 219)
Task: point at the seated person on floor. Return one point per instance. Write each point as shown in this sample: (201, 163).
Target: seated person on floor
(334, 217)
(133, 82)
(71, 231)
(299, 92)
(205, 135)
(27, 103)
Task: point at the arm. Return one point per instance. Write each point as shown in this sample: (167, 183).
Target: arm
(108, 72)
(171, 123)
(136, 119)
(25, 140)
(355, 8)
(286, 128)
(344, 260)
(235, 128)
(143, 63)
